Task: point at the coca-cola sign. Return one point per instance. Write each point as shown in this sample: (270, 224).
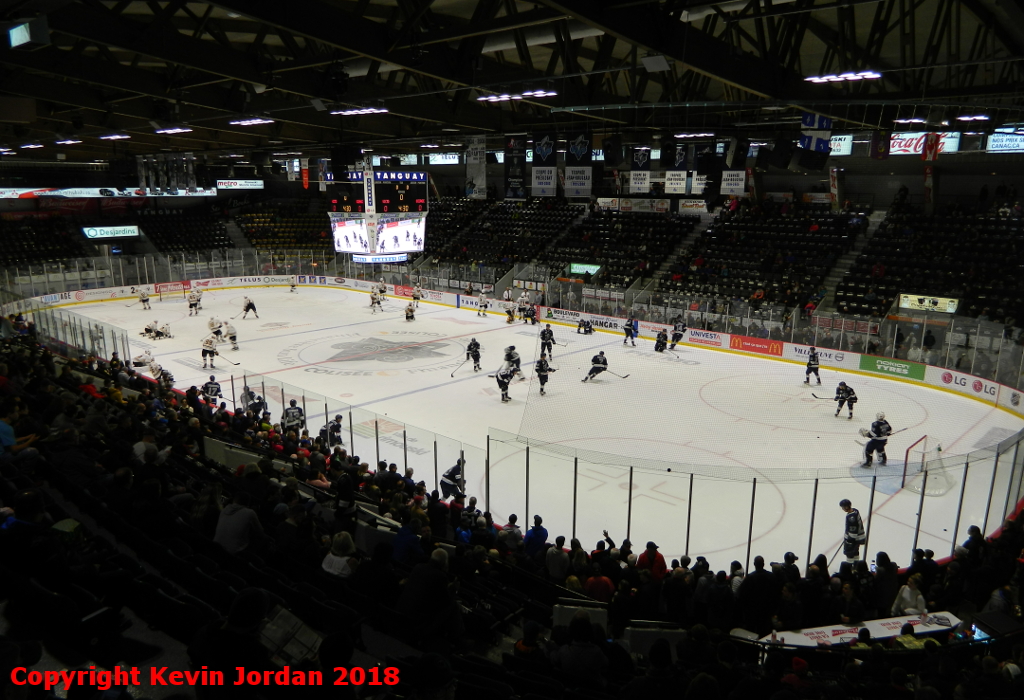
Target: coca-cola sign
(912, 143)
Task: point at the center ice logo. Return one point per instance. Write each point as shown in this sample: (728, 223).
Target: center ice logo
(386, 351)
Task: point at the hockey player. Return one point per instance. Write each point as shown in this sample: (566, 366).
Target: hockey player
(630, 328)
(164, 331)
(144, 299)
(410, 312)
(231, 334)
(598, 364)
(247, 306)
(331, 433)
(473, 353)
(193, 303)
(214, 326)
(661, 341)
(250, 401)
(211, 390)
(523, 302)
(504, 377)
(382, 289)
(453, 481)
(678, 330)
(143, 360)
(199, 300)
(543, 369)
(375, 304)
(547, 339)
(812, 366)
(209, 350)
(510, 312)
(585, 327)
(293, 287)
(530, 315)
(845, 395)
(482, 304)
(417, 294)
(293, 417)
(150, 330)
(853, 534)
(879, 436)
(512, 357)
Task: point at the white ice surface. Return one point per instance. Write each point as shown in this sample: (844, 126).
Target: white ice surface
(734, 417)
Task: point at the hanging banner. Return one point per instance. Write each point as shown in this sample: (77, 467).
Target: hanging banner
(544, 162)
(734, 182)
(815, 132)
(579, 171)
(640, 171)
(931, 147)
(912, 143)
(305, 173)
(834, 187)
(697, 182)
(675, 182)
(476, 167)
(879, 147)
(515, 167)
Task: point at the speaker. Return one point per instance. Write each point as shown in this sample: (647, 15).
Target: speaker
(805, 159)
(613, 150)
(781, 153)
(736, 156)
(492, 158)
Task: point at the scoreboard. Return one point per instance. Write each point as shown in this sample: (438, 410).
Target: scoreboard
(349, 198)
(400, 192)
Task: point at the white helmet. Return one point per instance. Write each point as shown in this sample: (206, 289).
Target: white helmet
(880, 416)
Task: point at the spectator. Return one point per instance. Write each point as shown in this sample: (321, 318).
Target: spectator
(581, 661)
(408, 547)
(536, 538)
(652, 560)
(341, 560)
(556, 561)
(238, 527)
(598, 586)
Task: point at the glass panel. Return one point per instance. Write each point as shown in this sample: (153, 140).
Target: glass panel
(364, 439)
(508, 480)
(727, 540)
(601, 501)
(1004, 467)
(979, 480)
(938, 519)
(550, 495)
(782, 515)
(660, 496)
(829, 520)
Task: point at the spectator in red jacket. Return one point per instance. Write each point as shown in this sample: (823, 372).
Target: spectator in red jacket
(653, 560)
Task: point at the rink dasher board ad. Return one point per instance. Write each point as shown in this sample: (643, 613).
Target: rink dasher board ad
(987, 391)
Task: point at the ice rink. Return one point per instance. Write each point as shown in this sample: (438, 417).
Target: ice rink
(730, 417)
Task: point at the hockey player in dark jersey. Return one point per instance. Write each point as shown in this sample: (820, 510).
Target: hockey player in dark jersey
(293, 418)
(504, 377)
(211, 390)
(678, 330)
(585, 327)
(845, 395)
(473, 353)
(812, 366)
(512, 357)
(547, 338)
(543, 369)
(879, 436)
(530, 315)
(853, 534)
(629, 328)
(598, 364)
(661, 341)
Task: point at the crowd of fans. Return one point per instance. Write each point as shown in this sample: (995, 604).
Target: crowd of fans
(92, 451)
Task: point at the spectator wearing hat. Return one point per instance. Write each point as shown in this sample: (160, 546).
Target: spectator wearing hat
(789, 570)
(652, 560)
(798, 677)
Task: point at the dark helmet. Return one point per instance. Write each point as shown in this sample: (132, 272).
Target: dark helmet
(292, 402)
(213, 378)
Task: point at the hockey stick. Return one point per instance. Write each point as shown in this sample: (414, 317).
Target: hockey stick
(620, 376)
(128, 306)
(236, 364)
(823, 398)
(458, 368)
(895, 432)
(237, 315)
(834, 555)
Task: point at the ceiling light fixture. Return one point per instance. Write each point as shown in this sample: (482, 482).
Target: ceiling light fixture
(910, 120)
(430, 145)
(506, 97)
(694, 136)
(844, 77)
(251, 121)
(973, 118)
(31, 145)
(171, 130)
(115, 137)
(67, 142)
(361, 110)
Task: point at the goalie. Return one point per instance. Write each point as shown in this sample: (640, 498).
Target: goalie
(878, 437)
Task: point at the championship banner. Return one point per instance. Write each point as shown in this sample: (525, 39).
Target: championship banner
(579, 171)
(640, 171)
(545, 171)
(515, 167)
(734, 182)
(305, 173)
(476, 167)
(675, 171)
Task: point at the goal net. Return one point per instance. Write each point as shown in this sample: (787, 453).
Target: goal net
(922, 470)
(171, 292)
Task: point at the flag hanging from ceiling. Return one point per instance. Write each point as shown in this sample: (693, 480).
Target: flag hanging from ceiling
(879, 145)
(815, 132)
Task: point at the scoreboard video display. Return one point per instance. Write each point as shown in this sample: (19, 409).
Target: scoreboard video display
(400, 192)
(349, 198)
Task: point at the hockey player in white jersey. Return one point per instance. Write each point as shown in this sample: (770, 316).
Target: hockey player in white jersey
(293, 288)
(231, 334)
(209, 350)
(504, 377)
(417, 294)
(214, 325)
(144, 299)
(375, 304)
(164, 331)
(193, 303)
(481, 303)
(199, 300)
(410, 312)
(143, 360)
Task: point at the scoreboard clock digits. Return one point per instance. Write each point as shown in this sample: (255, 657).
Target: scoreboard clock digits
(400, 197)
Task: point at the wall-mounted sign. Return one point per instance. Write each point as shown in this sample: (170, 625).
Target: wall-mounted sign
(110, 231)
(912, 143)
(921, 302)
(402, 257)
(239, 184)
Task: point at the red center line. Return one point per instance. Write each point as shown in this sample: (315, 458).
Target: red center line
(375, 352)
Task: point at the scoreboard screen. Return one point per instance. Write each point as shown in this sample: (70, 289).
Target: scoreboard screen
(349, 199)
(400, 196)
(401, 233)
